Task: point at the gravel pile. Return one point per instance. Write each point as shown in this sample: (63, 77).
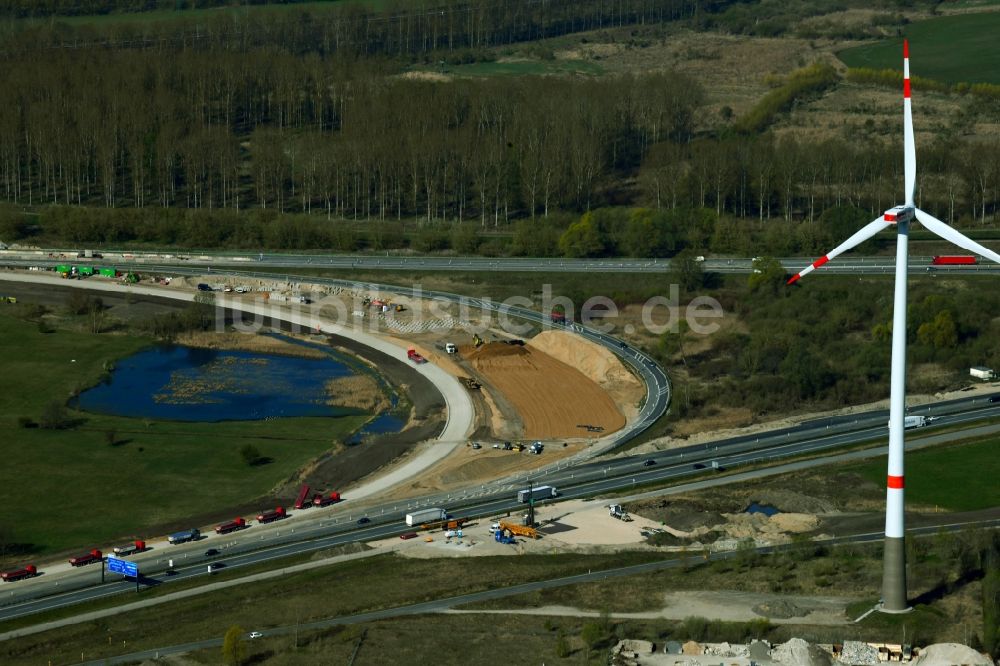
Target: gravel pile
(947, 654)
(798, 652)
(726, 650)
(858, 654)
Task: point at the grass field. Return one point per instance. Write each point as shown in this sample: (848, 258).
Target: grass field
(952, 49)
(962, 477)
(527, 68)
(72, 489)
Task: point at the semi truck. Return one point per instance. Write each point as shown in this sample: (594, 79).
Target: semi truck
(91, 557)
(271, 516)
(425, 516)
(537, 493)
(913, 422)
(130, 548)
(960, 260)
(415, 357)
(28, 571)
(232, 526)
(184, 537)
(325, 500)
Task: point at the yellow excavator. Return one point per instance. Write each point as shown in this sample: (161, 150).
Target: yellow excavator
(476, 340)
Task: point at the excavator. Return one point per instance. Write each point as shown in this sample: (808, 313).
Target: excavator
(477, 341)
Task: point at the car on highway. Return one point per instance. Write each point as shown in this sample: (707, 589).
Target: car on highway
(211, 552)
(255, 634)
(995, 398)
(648, 463)
(364, 520)
(699, 466)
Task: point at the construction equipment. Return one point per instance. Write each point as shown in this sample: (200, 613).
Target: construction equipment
(477, 341)
(518, 530)
(470, 383)
(616, 511)
(399, 308)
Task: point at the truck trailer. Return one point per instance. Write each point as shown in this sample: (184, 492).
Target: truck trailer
(913, 422)
(184, 537)
(90, 558)
(425, 516)
(537, 493)
(302, 501)
(130, 548)
(232, 526)
(324, 500)
(28, 571)
(271, 516)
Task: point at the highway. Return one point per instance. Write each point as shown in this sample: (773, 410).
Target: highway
(264, 262)
(693, 464)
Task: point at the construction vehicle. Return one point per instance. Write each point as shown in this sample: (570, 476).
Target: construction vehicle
(232, 526)
(518, 530)
(91, 557)
(184, 537)
(444, 524)
(302, 501)
(271, 516)
(470, 383)
(28, 571)
(324, 500)
(136, 546)
(616, 511)
(414, 356)
(399, 308)
(477, 341)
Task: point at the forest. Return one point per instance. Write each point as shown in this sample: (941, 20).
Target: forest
(309, 128)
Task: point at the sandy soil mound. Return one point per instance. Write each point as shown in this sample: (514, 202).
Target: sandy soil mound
(798, 652)
(553, 398)
(946, 654)
(597, 363)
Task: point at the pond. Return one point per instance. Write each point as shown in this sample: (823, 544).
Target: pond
(191, 384)
(765, 509)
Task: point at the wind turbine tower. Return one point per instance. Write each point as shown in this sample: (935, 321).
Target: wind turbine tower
(894, 559)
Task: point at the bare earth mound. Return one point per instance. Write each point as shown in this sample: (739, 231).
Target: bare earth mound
(553, 398)
(597, 363)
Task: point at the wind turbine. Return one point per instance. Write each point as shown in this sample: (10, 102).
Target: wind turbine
(894, 559)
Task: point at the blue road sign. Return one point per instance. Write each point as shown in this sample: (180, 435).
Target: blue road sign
(123, 567)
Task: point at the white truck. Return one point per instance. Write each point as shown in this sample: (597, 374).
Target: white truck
(913, 422)
(425, 516)
(537, 493)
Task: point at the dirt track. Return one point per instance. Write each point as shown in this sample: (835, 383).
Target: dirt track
(552, 398)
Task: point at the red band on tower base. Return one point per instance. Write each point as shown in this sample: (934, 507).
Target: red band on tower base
(906, 48)
(906, 88)
(819, 262)
(895, 481)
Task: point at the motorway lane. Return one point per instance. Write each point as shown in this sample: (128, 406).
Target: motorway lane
(441, 605)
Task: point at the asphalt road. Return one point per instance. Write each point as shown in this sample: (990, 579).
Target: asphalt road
(392, 262)
(439, 605)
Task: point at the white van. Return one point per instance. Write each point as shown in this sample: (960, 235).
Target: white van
(450, 348)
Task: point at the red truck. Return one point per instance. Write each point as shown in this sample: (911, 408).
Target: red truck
(232, 526)
(302, 501)
(415, 357)
(324, 500)
(91, 557)
(959, 260)
(271, 516)
(27, 572)
(130, 549)
(557, 317)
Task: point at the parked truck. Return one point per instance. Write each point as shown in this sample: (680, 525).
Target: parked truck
(232, 526)
(425, 516)
(271, 516)
(130, 548)
(537, 493)
(28, 571)
(415, 357)
(90, 558)
(302, 501)
(325, 500)
(184, 537)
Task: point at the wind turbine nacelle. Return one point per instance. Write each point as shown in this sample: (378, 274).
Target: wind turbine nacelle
(898, 214)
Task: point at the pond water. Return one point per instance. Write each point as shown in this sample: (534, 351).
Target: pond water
(765, 509)
(190, 384)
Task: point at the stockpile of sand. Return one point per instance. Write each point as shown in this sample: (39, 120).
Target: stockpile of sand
(597, 363)
(553, 399)
(798, 652)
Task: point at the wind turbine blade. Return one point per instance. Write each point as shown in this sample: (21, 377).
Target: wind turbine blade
(909, 149)
(858, 238)
(938, 227)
